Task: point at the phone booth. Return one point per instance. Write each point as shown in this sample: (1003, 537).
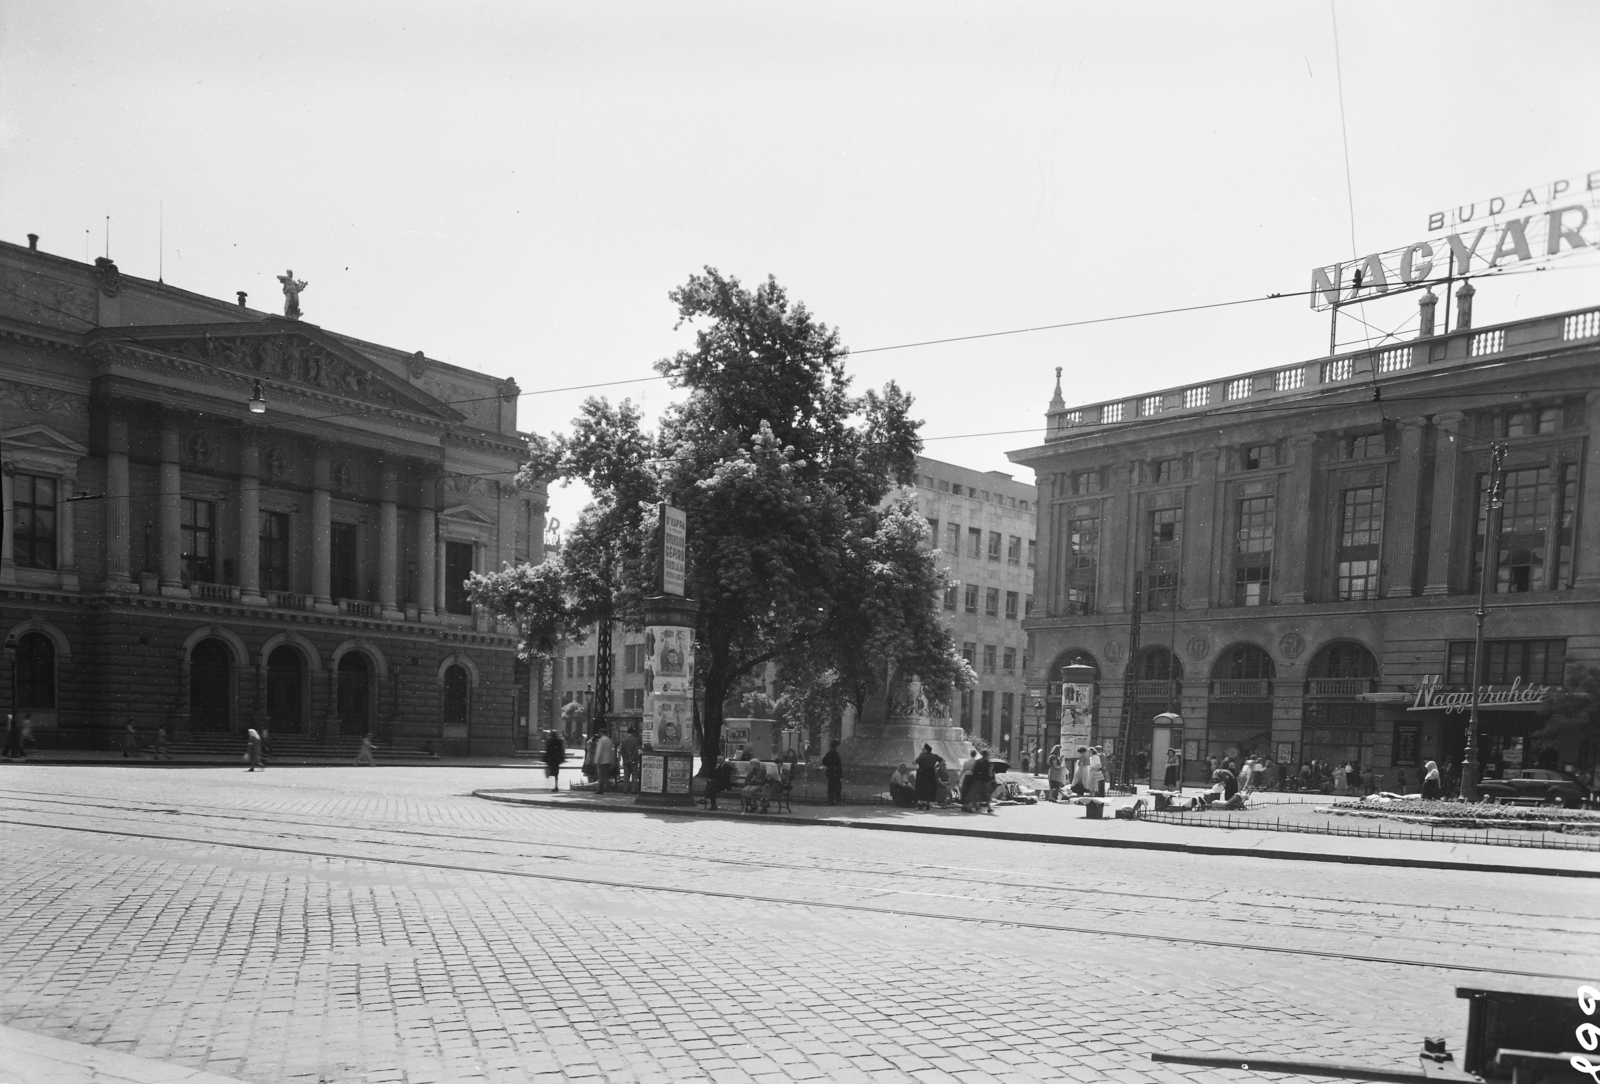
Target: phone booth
(1166, 732)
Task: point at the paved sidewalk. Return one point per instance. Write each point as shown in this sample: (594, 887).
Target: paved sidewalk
(1065, 823)
(30, 1058)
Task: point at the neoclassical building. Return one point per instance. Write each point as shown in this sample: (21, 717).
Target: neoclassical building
(1290, 558)
(175, 557)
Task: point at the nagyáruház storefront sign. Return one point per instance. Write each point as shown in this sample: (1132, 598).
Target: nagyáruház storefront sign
(1433, 696)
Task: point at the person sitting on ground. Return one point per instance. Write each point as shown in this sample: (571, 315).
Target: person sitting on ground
(902, 791)
(1224, 789)
(720, 780)
(755, 786)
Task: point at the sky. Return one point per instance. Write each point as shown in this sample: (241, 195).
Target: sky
(515, 187)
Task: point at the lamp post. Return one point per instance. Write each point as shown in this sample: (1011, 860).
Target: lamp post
(1469, 761)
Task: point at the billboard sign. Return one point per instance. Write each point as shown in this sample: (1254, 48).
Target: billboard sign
(674, 549)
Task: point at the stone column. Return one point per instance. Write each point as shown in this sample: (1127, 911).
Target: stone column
(250, 519)
(170, 511)
(427, 527)
(388, 539)
(1444, 503)
(1291, 549)
(1400, 502)
(321, 532)
(66, 541)
(117, 512)
(1200, 532)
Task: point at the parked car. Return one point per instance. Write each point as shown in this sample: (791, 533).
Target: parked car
(1546, 785)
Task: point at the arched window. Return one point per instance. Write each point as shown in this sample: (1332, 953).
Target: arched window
(355, 694)
(1158, 664)
(457, 696)
(286, 688)
(211, 686)
(36, 673)
(1343, 660)
(1243, 662)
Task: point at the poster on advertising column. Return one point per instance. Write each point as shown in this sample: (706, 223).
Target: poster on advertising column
(1077, 713)
(668, 677)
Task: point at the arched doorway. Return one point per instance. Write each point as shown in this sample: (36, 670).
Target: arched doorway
(1156, 687)
(355, 694)
(286, 690)
(211, 687)
(35, 673)
(1239, 707)
(1337, 727)
(457, 701)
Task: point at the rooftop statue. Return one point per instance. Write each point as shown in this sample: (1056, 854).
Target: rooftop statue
(291, 294)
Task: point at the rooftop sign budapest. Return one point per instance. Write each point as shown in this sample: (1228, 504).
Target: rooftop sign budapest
(1542, 223)
(1431, 696)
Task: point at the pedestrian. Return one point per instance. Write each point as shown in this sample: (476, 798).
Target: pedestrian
(130, 740)
(1080, 772)
(1056, 773)
(1097, 772)
(364, 754)
(927, 783)
(967, 782)
(630, 760)
(1403, 780)
(1174, 769)
(160, 752)
(13, 749)
(555, 752)
(1432, 791)
(588, 759)
(833, 769)
(605, 759)
(983, 783)
(266, 747)
(253, 751)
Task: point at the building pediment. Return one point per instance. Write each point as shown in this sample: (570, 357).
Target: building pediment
(465, 513)
(284, 351)
(41, 438)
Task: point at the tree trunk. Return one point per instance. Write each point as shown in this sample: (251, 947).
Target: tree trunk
(716, 690)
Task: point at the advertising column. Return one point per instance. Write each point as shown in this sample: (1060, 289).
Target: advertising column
(667, 737)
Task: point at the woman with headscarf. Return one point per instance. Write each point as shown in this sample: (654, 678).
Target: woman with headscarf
(1432, 790)
(1057, 773)
(253, 752)
(927, 784)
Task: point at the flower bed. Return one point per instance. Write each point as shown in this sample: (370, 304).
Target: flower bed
(1473, 815)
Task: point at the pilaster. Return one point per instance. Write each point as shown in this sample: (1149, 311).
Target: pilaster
(1291, 551)
(388, 539)
(1400, 513)
(170, 510)
(1117, 558)
(427, 542)
(1586, 543)
(250, 519)
(1200, 533)
(117, 513)
(322, 531)
(1444, 503)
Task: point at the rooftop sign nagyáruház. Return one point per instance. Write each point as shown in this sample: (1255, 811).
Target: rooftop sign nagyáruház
(1432, 696)
(1517, 227)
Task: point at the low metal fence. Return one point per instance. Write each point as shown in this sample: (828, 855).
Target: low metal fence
(1521, 837)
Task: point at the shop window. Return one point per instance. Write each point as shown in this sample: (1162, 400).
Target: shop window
(33, 514)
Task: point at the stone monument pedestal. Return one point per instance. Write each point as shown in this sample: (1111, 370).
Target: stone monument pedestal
(898, 741)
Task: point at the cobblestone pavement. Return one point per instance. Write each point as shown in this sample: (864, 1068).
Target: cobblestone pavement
(381, 925)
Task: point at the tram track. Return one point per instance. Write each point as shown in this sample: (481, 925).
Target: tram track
(1497, 918)
(745, 896)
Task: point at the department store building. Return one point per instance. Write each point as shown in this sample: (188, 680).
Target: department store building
(174, 558)
(1303, 544)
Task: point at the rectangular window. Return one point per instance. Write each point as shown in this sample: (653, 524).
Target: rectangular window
(1011, 605)
(994, 545)
(1252, 570)
(972, 598)
(1008, 660)
(1086, 482)
(933, 531)
(951, 591)
(1161, 566)
(952, 539)
(991, 602)
(1014, 550)
(345, 578)
(1259, 457)
(1027, 606)
(969, 651)
(974, 542)
(988, 658)
(987, 699)
(632, 699)
(199, 528)
(33, 513)
(1083, 556)
(1032, 549)
(1167, 470)
(272, 560)
(1521, 545)
(1365, 446)
(569, 665)
(457, 567)
(1536, 662)
(1360, 537)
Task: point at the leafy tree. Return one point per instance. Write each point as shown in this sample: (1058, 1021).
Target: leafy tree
(1575, 709)
(781, 472)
